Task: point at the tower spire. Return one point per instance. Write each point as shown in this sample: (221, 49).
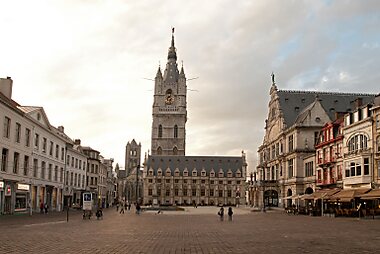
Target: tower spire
(172, 51)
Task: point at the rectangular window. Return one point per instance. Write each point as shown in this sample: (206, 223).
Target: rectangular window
(203, 192)
(56, 173)
(62, 153)
(4, 160)
(339, 169)
(44, 143)
(193, 192)
(358, 169)
(229, 193)
(347, 173)
(353, 169)
(51, 148)
(79, 176)
(56, 151)
(150, 192)
(35, 167)
(366, 166)
(26, 165)
(18, 133)
(7, 127)
(167, 193)
(50, 172)
(185, 192)
(211, 193)
(71, 178)
(220, 193)
(96, 181)
(80, 164)
(290, 168)
(75, 179)
(43, 168)
(36, 141)
(290, 143)
(309, 169)
(27, 137)
(158, 192)
(76, 163)
(16, 158)
(378, 121)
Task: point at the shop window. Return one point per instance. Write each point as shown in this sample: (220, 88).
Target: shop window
(20, 202)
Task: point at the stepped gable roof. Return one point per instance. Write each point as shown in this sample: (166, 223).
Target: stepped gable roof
(207, 163)
(294, 102)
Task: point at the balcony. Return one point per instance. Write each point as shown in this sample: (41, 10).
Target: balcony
(321, 182)
(326, 161)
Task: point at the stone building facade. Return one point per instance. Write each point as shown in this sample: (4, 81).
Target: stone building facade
(169, 108)
(170, 177)
(292, 128)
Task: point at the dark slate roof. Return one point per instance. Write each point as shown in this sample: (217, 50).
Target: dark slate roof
(331, 102)
(195, 162)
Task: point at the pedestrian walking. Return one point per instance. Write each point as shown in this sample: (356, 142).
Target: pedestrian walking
(122, 205)
(41, 207)
(117, 206)
(230, 212)
(138, 208)
(221, 213)
(46, 208)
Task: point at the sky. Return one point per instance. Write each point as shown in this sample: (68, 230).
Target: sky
(88, 63)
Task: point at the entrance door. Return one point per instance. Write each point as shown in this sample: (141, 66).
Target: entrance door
(8, 205)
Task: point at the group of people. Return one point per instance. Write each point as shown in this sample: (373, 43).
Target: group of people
(229, 213)
(44, 208)
(127, 206)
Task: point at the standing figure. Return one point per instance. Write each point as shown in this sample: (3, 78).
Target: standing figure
(230, 212)
(122, 205)
(117, 206)
(46, 208)
(221, 213)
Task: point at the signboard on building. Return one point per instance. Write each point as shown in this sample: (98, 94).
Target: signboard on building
(24, 187)
(8, 190)
(87, 201)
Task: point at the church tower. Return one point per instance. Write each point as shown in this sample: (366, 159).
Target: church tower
(169, 108)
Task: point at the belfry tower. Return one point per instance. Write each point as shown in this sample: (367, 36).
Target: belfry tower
(169, 108)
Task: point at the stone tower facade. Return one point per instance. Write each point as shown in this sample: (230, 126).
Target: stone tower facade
(132, 156)
(169, 108)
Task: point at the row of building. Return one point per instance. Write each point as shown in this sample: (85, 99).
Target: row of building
(41, 164)
(316, 141)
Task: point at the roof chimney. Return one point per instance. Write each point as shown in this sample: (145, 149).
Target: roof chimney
(358, 102)
(77, 142)
(377, 100)
(6, 87)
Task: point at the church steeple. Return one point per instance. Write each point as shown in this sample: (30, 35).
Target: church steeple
(159, 74)
(171, 72)
(172, 50)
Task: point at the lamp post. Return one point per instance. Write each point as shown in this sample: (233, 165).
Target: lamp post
(137, 183)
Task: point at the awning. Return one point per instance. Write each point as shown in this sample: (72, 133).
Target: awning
(306, 197)
(373, 194)
(292, 197)
(348, 195)
(324, 194)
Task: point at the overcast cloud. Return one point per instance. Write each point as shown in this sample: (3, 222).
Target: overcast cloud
(85, 63)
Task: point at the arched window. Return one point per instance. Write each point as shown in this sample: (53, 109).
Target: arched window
(175, 151)
(175, 131)
(160, 131)
(159, 150)
(357, 142)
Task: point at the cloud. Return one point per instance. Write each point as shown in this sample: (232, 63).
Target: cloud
(85, 63)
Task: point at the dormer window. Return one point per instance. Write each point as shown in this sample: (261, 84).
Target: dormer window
(185, 172)
(194, 173)
(168, 172)
(159, 172)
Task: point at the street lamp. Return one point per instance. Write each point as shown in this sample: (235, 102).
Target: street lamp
(137, 183)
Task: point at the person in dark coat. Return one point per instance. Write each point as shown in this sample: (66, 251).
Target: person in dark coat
(221, 213)
(230, 212)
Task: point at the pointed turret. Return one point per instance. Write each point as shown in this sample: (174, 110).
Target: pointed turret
(159, 74)
(182, 73)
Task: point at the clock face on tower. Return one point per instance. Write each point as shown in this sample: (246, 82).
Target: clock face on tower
(169, 99)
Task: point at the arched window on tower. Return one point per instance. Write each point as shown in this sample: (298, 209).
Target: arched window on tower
(175, 131)
(159, 150)
(160, 131)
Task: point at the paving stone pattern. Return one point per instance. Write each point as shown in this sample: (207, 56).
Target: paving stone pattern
(194, 231)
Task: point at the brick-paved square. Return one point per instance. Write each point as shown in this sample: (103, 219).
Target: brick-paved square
(194, 231)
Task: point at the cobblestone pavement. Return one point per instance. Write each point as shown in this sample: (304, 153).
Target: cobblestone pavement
(193, 231)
